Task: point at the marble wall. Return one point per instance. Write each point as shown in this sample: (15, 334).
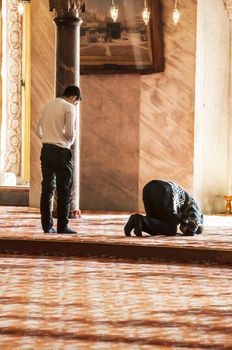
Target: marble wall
(42, 83)
(213, 126)
(109, 154)
(167, 105)
(133, 128)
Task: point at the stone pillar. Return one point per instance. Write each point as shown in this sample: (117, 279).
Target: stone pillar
(67, 52)
(211, 137)
(68, 67)
(228, 7)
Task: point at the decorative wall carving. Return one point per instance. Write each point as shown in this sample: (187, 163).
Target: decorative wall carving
(12, 86)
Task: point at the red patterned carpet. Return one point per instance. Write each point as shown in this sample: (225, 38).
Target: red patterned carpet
(75, 303)
(105, 230)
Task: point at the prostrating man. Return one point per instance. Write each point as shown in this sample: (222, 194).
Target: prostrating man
(57, 130)
(167, 205)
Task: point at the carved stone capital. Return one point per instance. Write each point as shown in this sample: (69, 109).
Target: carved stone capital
(228, 7)
(67, 8)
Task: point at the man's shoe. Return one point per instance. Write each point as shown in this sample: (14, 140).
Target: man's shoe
(50, 230)
(66, 231)
(129, 226)
(138, 225)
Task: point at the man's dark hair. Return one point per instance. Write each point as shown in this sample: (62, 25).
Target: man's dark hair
(72, 90)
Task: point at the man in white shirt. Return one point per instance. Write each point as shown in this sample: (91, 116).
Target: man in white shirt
(57, 130)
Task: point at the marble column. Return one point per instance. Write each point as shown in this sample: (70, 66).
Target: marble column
(68, 68)
(212, 115)
(228, 7)
(67, 52)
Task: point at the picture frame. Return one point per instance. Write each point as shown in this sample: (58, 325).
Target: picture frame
(127, 46)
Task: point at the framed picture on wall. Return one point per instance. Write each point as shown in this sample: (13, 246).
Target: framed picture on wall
(126, 45)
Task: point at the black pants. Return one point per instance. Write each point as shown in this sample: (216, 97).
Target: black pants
(160, 217)
(57, 173)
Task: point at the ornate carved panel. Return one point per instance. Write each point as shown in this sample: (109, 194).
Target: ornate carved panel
(12, 86)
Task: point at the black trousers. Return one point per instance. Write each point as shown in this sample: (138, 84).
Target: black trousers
(57, 172)
(160, 217)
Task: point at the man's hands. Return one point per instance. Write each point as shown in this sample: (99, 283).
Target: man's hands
(74, 214)
(183, 227)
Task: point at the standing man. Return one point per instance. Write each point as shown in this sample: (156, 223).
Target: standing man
(57, 130)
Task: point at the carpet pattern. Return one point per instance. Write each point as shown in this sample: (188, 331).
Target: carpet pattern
(24, 223)
(70, 304)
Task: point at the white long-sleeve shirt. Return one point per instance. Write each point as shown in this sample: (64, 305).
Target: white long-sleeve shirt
(57, 123)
